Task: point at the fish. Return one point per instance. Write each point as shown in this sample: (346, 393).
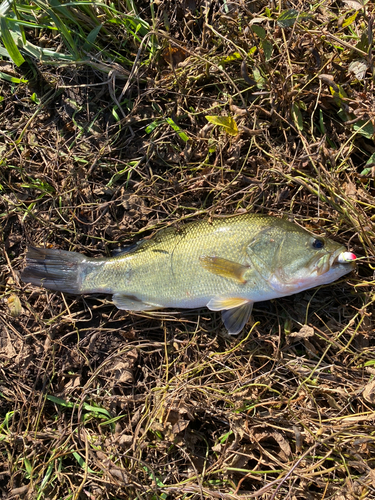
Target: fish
(225, 264)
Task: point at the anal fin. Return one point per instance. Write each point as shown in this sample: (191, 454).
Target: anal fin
(235, 319)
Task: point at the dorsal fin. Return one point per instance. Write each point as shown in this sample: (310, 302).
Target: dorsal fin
(160, 236)
(127, 249)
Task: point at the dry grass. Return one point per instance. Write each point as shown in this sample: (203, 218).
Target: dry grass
(105, 140)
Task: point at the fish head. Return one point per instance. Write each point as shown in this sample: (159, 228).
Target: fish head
(291, 259)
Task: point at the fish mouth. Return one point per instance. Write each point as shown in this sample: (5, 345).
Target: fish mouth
(325, 263)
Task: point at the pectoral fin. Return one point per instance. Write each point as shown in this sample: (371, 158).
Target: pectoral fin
(132, 303)
(235, 319)
(224, 267)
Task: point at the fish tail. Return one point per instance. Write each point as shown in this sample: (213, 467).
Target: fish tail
(53, 269)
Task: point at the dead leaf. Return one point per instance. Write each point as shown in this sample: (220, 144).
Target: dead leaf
(125, 440)
(369, 392)
(285, 450)
(122, 373)
(358, 68)
(174, 55)
(14, 305)
(350, 188)
(371, 477)
(304, 333)
(180, 426)
(218, 448)
(242, 456)
(73, 382)
(7, 347)
(122, 369)
(119, 474)
(355, 4)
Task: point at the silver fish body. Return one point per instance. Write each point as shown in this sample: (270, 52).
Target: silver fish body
(225, 264)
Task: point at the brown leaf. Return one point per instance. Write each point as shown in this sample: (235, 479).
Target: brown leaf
(125, 440)
(355, 4)
(180, 426)
(174, 55)
(122, 369)
(7, 347)
(73, 382)
(285, 450)
(369, 392)
(304, 333)
(350, 188)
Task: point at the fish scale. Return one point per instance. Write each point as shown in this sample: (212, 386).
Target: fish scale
(225, 264)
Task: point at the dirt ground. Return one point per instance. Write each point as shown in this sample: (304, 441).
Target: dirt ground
(98, 403)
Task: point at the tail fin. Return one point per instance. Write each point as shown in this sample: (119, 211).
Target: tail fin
(53, 269)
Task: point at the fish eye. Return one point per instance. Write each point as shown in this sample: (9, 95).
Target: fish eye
(317, 244)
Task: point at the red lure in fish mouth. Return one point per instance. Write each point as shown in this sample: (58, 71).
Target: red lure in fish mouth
(346, 257)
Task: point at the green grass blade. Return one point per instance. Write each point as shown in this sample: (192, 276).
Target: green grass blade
(82, 462)
(11, 79)
(10, 44)
(91, 37)
(177, 129)
(5, 7)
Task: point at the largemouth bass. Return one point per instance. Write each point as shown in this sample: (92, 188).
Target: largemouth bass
(225, 264)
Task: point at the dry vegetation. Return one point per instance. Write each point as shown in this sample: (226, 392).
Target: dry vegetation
(104, 139)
